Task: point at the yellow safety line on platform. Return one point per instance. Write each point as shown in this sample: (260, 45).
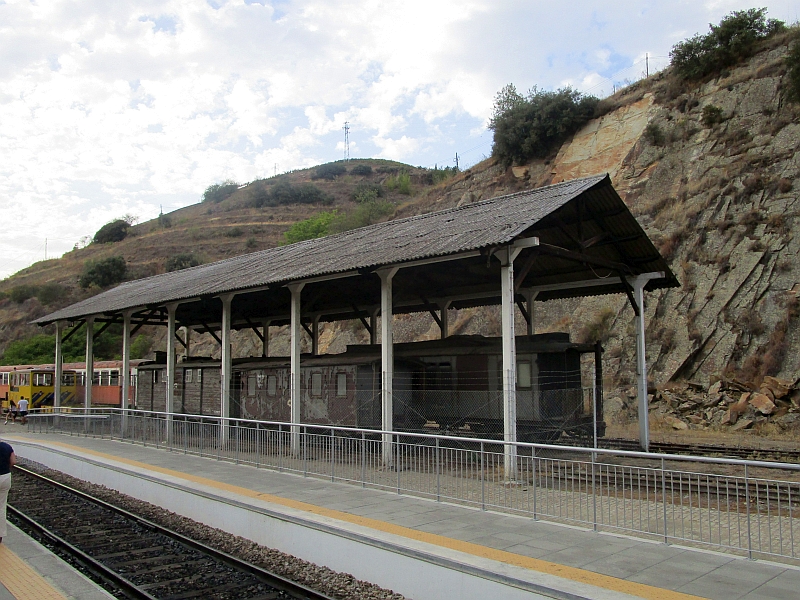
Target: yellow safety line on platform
(23, 582)
(535, 564)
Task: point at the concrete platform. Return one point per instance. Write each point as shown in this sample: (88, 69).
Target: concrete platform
(420, 548)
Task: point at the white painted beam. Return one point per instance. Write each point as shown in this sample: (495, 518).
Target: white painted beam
(226, 370)
(387, 360)
(295, 380)
(59, 366)
(87, 400)
(507, 256)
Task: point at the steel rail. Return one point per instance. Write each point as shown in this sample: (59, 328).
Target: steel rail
(277, 581)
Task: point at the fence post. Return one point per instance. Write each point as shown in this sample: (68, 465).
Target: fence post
(280, 448)
(483, 479)
(305, 453)
(397, 459)
(333, 436)
(747, 502)
(594, 495)
(535, 492)
(237, 431)
(438, 483)
(363, 459)
(664, 499)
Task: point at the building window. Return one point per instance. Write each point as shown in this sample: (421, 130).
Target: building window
(524, 374)
(341, 384)
(188, 376)
(272, 385)
(199, 375)
(316, 384)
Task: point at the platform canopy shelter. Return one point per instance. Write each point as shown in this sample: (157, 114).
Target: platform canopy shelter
(571, 239)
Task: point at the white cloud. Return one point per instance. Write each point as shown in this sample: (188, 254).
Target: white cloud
(115, 107)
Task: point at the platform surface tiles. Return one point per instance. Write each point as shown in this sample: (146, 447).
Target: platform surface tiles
(417, 547)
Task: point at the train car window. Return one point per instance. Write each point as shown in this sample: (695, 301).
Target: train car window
(251, 385)
(188, 375)
(26, 379)
(438, 376)
(114, 377)
(48, 379)
(68, 379)
(341, 384)
(524, 374)
(272, 385)
(316, 384)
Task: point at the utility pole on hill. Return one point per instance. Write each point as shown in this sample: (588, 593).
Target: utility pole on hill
(456, 161)
(346, 140)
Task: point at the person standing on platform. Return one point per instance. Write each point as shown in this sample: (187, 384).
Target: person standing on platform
(22, 409)
(7, 460)
(12, 412)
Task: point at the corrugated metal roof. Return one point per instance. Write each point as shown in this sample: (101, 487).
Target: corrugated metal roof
(488, 223)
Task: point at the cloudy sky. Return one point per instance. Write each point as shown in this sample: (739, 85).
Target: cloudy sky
(113, 108)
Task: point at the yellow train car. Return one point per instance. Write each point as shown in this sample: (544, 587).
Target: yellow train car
(36, 386)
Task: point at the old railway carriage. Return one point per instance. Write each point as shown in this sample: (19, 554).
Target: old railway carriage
(36, 385)
(452, 385)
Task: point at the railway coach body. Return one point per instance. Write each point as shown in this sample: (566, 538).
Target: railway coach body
(453, 385)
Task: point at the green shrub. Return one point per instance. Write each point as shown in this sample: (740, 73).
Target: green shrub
(733, 40)
(362, 170)
(218, 192)
(285, 193)
(438, 175)
(251, 243)
(181, 261)
(400, 183)
(329, 171)
(103, 273)
(531, 127)
(367, 191)
(41, 348)
(793, 73)
(141, 346)
(309, 229)
(21, 293)
(711, 115)
(115, 231)
(164, 221)
(367, 213)
(50, 293)
(654, 134)
(234, 232)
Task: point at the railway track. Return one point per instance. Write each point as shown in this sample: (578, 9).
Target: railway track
(134, 557)
(791, 456)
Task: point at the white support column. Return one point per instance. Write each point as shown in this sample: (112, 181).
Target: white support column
(265, 341)
(445, 328)
(641, 366)
(315, 336)
(507, 256)
(387, 360)
(638, 284)
(59, 367)
(87, 400)
(530, 299)
(187, 340)
(170, 391)
(295, 379)
(225, 368)
(125, 374)
(373, 325)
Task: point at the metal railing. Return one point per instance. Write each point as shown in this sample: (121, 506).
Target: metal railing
(745, 507)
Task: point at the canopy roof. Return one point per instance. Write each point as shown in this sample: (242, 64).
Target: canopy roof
(587, 243)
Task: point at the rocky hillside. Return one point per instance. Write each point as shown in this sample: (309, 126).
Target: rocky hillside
(709, 170)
